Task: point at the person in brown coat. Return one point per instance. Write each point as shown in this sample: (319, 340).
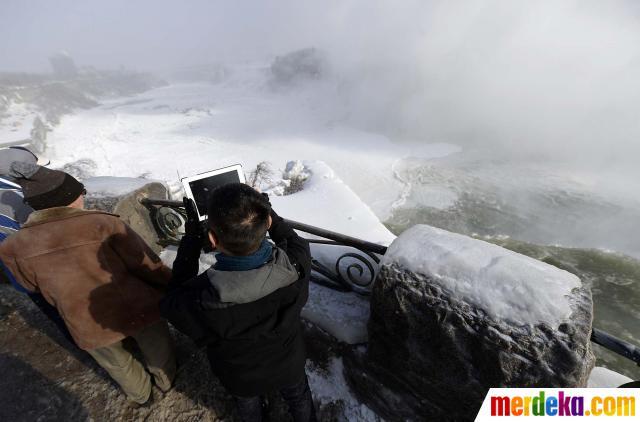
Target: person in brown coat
(103, 279)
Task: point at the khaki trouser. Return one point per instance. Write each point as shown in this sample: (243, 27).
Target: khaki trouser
(156, 345)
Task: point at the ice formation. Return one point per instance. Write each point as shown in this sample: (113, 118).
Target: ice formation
(503, 283)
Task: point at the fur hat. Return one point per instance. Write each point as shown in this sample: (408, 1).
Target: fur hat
(45, 188)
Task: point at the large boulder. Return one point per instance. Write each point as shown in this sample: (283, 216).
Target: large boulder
(452, 316)
(121, 196)
(299, 65)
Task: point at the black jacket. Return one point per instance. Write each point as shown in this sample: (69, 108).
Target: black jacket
(253, 346)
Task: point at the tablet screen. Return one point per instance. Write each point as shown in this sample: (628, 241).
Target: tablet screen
(202, 187)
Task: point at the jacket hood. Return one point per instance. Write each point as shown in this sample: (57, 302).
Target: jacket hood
(248, 286)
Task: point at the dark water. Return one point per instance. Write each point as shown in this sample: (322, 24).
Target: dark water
(533, 218)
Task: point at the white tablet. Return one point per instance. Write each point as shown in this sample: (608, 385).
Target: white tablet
(199, 186)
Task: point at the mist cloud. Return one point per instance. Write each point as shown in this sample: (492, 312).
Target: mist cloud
(551, 77)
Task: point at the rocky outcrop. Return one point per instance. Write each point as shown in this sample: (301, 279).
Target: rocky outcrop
(63, 66)
(436, 344)
(121, 196)
(300, 65)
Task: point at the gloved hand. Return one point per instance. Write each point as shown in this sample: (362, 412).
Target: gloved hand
(266, 198)
(192, 225)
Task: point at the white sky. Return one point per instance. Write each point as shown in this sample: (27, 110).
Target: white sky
(559, 73)
(149, 34)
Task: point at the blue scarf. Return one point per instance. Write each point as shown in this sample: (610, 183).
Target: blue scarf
(244, 263)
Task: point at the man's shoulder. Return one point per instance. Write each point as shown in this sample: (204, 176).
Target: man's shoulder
(71, 215)
(97, 216)
(48, 232)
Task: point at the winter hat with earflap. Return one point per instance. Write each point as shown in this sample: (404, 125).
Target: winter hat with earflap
(45, 188)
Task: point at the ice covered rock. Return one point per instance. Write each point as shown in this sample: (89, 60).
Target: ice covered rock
(295, 174)
(503, 284)
(453, 316)
(63, 65)
(121, 196)
(305, 64)
(296, 169)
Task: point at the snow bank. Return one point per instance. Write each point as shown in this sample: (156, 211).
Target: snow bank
(327, 202)
(343, 315)
(505, 284)
(606, 378)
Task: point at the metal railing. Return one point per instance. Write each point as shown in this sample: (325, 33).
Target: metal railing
(354, 270)
(616, 345)
(341, 278)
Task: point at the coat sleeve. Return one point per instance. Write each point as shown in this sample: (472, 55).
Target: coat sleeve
(297, 248)
(181, 308)
(185, 266)
(138, 256)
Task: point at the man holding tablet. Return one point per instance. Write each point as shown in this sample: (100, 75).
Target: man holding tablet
(246, 307)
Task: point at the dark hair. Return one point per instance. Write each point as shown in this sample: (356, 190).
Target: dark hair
(239, 217)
